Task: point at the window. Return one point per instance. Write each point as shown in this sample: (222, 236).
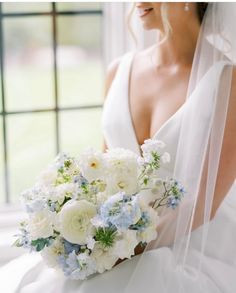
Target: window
(51, 86)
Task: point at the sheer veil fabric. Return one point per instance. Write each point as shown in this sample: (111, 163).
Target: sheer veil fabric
(202, 165)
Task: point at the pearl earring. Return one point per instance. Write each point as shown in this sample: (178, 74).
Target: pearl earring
(186, 6)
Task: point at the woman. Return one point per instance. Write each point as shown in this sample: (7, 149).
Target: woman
(181, 91)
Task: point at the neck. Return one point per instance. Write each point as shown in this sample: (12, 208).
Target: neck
(179, 48)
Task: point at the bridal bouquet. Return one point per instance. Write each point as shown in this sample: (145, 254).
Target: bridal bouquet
(86, 213)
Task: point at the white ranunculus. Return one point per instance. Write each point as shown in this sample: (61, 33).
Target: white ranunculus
(121, 159)
(124, 248)
(104, 258)
(41, 224)
(123, 182)
(75, 221)
(123, 170)
(92, 165)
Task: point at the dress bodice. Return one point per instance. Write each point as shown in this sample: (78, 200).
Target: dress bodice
(117, 122)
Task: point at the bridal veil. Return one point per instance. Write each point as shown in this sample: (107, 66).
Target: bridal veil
(203, 163)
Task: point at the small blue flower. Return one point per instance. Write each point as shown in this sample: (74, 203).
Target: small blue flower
(173, 202)
(81, 180)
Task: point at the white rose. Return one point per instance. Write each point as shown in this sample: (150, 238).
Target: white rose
(124, 248)
(92, 164)
(75, 220)
(41, 224)
(104, 258)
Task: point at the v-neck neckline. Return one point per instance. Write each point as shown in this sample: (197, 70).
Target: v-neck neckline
(129, 108)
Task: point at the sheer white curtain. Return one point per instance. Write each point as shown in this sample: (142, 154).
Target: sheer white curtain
(117, 39)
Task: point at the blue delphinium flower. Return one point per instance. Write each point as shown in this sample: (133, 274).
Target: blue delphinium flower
(121, 211)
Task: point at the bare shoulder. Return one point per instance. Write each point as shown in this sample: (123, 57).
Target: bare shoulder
(111, 71)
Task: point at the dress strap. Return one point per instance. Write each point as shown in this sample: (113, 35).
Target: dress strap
(124, 67)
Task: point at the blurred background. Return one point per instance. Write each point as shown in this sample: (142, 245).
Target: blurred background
(53, 59)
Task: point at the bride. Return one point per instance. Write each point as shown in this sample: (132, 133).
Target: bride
(182, 91)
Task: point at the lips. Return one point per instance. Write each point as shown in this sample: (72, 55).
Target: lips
(144, 11)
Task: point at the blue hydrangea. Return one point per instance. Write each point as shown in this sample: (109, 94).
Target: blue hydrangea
(77, 267)
(120, 210)
(35, 205)
(70, 247)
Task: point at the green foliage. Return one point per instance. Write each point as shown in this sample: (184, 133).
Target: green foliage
(40, 243)
(106, 236)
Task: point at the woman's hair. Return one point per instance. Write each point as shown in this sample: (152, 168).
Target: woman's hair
(201, 9)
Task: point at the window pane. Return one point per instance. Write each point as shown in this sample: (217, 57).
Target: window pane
(0, 94)
(80, 60)
(28, 63)
(31, 141)
(26, 7)
(78, 6)
(2, 195)
(80, 129)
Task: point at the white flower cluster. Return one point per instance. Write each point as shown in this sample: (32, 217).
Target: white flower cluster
(86, 213)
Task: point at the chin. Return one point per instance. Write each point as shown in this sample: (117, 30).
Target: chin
(150, 25)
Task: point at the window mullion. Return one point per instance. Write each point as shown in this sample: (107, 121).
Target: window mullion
(5, 147)
(54, 35)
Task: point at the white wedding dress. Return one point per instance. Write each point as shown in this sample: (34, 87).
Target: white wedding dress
(28, 274)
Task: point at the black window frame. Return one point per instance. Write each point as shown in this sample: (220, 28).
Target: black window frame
(56, 109)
